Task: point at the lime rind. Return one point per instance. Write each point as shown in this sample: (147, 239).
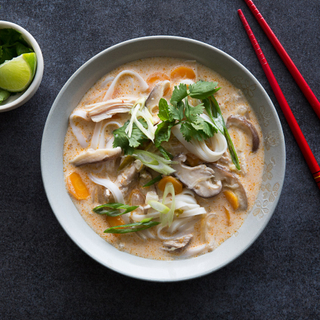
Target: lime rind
(31, 59)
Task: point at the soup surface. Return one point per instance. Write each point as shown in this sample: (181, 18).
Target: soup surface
(199, 197)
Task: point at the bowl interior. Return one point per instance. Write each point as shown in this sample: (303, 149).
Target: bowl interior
(20, 98)
(71, 220)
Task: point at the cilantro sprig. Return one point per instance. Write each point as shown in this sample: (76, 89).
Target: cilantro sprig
(179, 111)
(192, 124)
(12, 45)
(128, 144)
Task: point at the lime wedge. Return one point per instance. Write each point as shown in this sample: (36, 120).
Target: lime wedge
(16, 74)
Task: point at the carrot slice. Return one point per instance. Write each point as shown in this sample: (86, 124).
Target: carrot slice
(183, 72)
(227, 216)
(77, 187)
(156, 77)
(176, 184)
(232, 199)
(114, 221)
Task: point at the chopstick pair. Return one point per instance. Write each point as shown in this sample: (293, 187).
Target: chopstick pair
(302, 143)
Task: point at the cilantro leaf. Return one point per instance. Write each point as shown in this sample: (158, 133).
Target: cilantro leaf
(10, 37)
(163, 132)
(7, 54)
(12, 44)
(202, 89)
(192, 112)
(164, 113)
(178, 93)
(21, 49)
(4, 95)
(128, 144)
(208, 130)
(187, 131)
(176, 113)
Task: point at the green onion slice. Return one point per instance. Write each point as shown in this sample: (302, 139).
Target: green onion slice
(113, 209)
(132, 227)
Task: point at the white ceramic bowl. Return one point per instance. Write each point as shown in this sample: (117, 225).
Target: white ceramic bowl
(52, 152)
(21, 98)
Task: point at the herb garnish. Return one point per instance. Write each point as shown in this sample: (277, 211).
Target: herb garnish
(128, 144)
(180, 112)
(214, 112)
(113, 209)
(12, 45)
(153, 181)
(133, 227)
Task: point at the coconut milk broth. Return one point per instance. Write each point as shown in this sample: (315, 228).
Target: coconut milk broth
(231, 101)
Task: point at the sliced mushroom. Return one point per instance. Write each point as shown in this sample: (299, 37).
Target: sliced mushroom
(109, 198)
(156, 94)
(106, 109)
(127, 179)
(200, 179)
(177, 244)
(92, 156)
(137, 198)
(230, 181)
(244, 124)
(154, 97)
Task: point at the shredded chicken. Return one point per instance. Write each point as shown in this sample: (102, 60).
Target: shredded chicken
(177, 244)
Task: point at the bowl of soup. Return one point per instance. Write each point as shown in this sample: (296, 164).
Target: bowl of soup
(163, 158)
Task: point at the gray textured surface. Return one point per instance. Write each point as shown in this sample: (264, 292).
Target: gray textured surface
(44, 275)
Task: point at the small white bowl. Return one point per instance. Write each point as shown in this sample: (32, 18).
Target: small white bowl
(52, 158)
(15, 101)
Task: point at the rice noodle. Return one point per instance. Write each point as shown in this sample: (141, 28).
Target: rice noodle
(117, 194)
(76, 130)
(102, 140)
(98, 140)
(95, 137)
(182, 233)
(106, 81)
(217, 143)
(144, 86)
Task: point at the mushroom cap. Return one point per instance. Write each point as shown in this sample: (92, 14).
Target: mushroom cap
(230, 181)
(200, 179)
(245, 124)
(156, 94)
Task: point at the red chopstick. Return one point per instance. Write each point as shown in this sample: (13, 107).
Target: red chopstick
(286, 59)
(303, 144)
